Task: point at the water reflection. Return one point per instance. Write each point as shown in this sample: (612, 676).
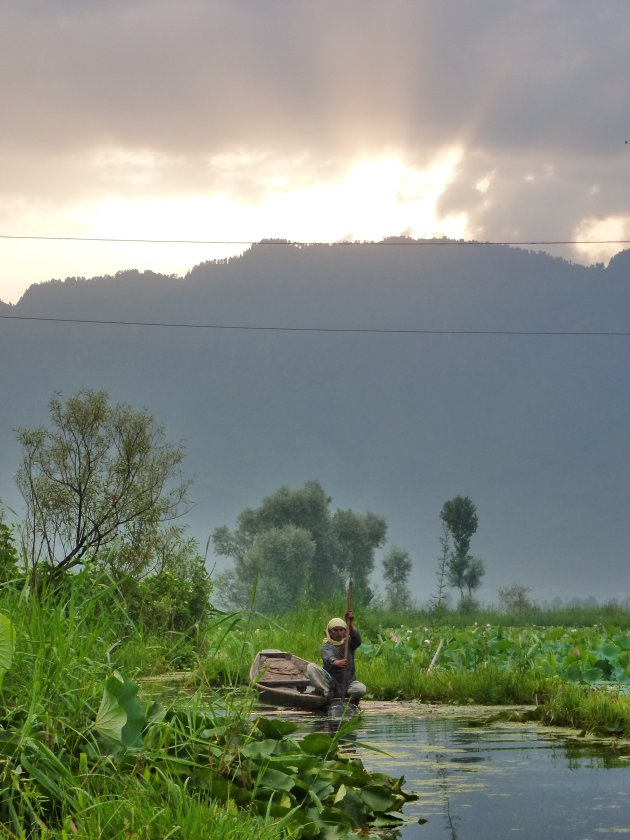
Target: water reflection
(496, 779)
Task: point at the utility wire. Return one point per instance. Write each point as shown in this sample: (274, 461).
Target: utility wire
(367, 330)
(285, 242)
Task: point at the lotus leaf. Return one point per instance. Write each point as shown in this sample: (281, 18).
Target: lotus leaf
(120, 717)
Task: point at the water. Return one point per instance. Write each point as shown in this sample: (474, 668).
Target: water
(484, 780)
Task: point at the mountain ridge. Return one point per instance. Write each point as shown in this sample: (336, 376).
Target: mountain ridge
(268, 390)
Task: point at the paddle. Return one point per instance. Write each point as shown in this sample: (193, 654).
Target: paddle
(349, 623)
(347, 645)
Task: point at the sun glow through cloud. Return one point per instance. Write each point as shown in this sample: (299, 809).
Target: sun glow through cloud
(603, 233)
(373, 200)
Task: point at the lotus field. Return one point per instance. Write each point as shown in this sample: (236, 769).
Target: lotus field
(596, 655)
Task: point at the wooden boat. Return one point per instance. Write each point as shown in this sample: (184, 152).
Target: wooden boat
(280, 680)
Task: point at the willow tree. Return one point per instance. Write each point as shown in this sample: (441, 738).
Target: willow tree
(100, 473)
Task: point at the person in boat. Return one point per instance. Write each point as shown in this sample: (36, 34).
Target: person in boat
(338, 678)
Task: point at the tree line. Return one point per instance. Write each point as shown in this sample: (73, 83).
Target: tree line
(104, 488)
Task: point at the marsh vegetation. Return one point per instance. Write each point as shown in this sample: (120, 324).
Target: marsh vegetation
(104, 601)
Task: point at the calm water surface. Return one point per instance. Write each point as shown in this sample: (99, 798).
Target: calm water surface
(481, 780)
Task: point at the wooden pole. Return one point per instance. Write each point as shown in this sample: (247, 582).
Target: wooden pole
(437, 653)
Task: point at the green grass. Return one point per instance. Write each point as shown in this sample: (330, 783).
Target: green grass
(83, 754)
(600, 712)
(58, 776)
(488, 659)
(52, 782)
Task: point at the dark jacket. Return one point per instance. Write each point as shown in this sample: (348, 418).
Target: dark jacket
(342, 677)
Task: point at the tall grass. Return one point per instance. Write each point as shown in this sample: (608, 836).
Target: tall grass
(53, 781)
(579, 707)
(389, 677)
(82, 755)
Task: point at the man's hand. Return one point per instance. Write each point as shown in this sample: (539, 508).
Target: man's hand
(341, 663)
(349, 616)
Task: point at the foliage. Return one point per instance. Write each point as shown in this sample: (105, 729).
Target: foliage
(176, 596)
(593, 656)
(84, 753)
(355, 538)
(280, 561)
(101, 473)
(8, 553)
(488, 663)
(515, 598)
(396, 569)
(258, 765)
(578, 706)
(459, 515)
(292, 544)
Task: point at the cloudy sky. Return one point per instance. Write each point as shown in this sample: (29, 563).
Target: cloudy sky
(310, 120)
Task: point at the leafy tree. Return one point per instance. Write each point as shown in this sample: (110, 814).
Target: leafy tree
(342, 545)
(515, 598)
(474, 574)
(101, 474)
(396, 569)
(8, 552)
(306, 508)
(356, 538)
(276, 567)
(459, 516)
(177, 597)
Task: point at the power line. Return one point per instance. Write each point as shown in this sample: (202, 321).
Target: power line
(284, 242)
(365, 330)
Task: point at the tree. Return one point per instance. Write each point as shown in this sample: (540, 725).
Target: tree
(396, 568)
(343, 546)
(276, 567)
(437, 602)
(459, 516)
(356, 537)
(8, 553)
(101, 474)
(515, 598)
(176, 596)
(307, 508)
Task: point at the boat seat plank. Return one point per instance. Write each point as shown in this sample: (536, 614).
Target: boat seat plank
(273, 680)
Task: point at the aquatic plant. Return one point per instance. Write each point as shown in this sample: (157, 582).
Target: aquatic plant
(82, 753)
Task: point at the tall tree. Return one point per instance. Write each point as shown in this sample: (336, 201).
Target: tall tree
(100, 473)
(396, 569)
(459, 516)
(356, 538)
(275, 570)
(438, 600)
(343, 546)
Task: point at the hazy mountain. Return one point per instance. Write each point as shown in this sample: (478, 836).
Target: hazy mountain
(534, 428)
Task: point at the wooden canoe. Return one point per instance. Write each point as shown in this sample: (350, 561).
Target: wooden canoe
(280, 680)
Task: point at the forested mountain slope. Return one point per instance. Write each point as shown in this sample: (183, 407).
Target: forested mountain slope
(483, 402)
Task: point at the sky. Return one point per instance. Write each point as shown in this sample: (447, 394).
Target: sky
(202, 122)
